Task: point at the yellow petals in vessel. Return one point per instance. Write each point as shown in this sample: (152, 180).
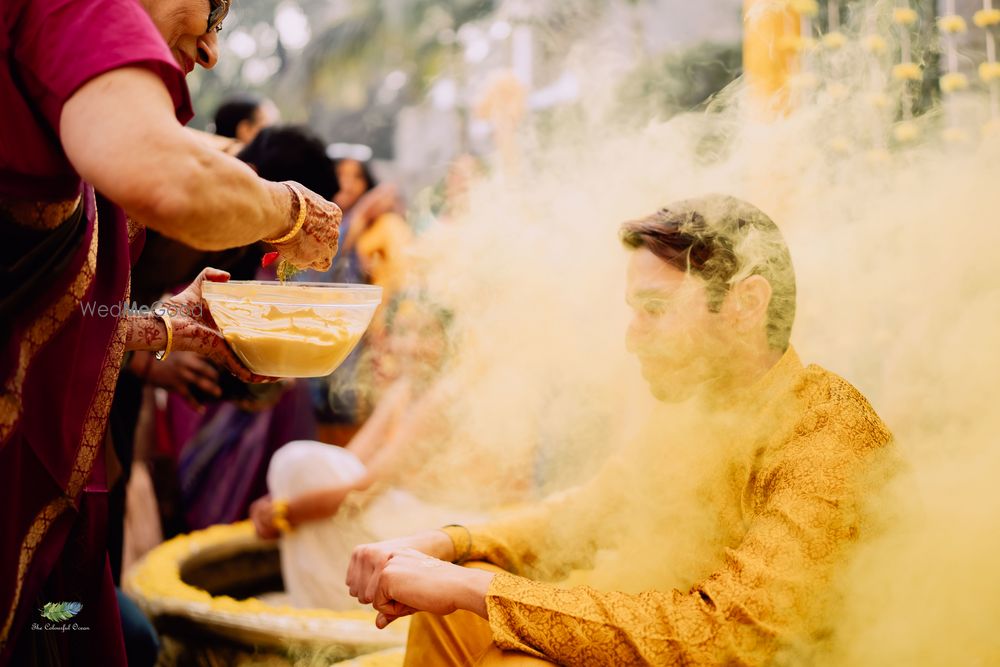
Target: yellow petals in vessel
(954, 82)
(904, 15)
(986, 18)
(952, 24)
(907, 72)
(989, 72)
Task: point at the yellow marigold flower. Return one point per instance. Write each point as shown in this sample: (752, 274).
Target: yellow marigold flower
(953, 82)
(906, 131)
(989, 72)
(955, 135)
(878, 156)
(907, 72)
(880, 100)
(985, 18)
(834, 40)
(875, 44)
(904, 15)
(952, 24)
(805, 7)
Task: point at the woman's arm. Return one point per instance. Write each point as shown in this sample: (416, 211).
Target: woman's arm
(120, 134)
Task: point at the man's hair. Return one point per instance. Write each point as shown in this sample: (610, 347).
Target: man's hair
(292, 153)
(233, 111)
(723, 240)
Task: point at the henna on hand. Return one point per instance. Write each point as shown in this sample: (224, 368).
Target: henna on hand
(316, 243)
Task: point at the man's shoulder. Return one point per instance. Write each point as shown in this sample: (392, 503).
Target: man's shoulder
(833, 406)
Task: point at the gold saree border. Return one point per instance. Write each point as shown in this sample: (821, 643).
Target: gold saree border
(93, 436)
(39, 215)
(94, 423)
(40, 332)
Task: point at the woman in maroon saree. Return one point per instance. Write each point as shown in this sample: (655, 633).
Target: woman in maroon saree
(93, 98)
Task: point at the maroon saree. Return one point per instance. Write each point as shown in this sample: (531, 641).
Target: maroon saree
(62, 248)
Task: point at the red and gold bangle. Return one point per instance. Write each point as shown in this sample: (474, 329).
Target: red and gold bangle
(298, 221)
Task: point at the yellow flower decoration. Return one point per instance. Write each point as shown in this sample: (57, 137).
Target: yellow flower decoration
(952, 24)
(953, 82)
(875, 44)
(904, 15)
(834, 40)
(989, 72)
(805, 7)
(985, 18)
(907, 72)
(955, 135)
(906, 131)
(880, 100)
(156, 583)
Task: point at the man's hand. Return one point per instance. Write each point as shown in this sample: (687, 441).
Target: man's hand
(411, 581)
(368, 560)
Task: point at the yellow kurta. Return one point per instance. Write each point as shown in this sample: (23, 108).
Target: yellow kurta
(813, 446)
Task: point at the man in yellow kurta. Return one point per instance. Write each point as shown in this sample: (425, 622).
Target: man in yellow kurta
(712, 290)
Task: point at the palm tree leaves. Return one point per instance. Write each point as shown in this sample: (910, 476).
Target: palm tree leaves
(58, 612)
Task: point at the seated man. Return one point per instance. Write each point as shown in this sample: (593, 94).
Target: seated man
(712, 290)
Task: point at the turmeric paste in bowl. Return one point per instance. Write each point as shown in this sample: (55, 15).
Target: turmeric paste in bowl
(291, 329)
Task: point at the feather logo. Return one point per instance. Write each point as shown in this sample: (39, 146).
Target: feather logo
(58, 612)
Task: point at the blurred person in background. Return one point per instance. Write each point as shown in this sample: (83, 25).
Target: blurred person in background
(92, 151)
(375, 479)
(242, 117)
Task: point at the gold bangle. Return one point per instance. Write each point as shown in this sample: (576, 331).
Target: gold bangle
(164, 315)
(279, 509)
(467, 551)
(301, 220)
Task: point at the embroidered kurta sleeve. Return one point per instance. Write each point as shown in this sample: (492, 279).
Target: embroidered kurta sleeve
(547, 540)
(802, 512)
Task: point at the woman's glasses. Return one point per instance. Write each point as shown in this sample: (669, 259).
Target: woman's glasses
(217, 10)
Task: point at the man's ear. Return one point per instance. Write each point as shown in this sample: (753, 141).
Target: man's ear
(748, 301)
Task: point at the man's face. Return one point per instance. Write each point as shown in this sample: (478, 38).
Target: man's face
(680, 344)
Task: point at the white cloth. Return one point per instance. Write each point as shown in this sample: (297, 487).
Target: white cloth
(315, 556)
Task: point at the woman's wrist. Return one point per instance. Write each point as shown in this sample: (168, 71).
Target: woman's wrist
(286, 206)
(145, 333)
